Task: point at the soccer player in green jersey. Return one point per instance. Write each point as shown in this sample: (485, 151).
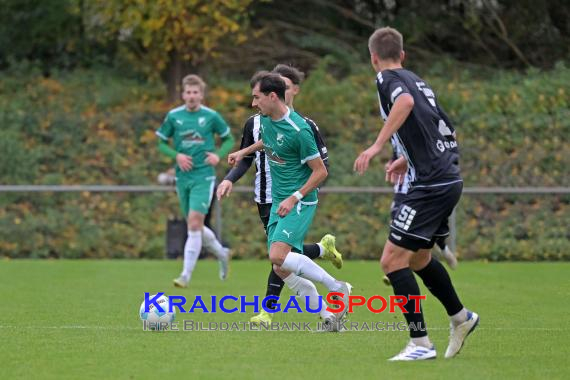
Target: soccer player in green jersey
(296, 170)
(192, 128)
(262, 195)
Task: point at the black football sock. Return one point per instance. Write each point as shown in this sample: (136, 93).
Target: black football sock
(404, 284)
(274, 286)
(437, 280)
(312, 251)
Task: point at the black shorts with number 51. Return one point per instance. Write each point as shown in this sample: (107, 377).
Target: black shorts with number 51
(423, 214)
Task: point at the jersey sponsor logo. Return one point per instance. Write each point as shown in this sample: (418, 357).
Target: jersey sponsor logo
(272, 156)
(287, 233)
(405, 217)
(441, 145)
(192, 138)
(201, 121)
(444, 129)
(179, 122)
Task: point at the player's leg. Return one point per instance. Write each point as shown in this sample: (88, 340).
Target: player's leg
(326, 249)
(200, 200)
(286, 260)
(289, 231)
(395, 262)
(307, 291)
(183, 192)
(439, 206)
(437, 280)
(274, 282)
(446, 253)
(396, 202)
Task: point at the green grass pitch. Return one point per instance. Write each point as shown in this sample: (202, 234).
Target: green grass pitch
(79, 319)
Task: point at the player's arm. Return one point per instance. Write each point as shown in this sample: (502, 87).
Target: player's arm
(163, 133)
(247, 139)
(166, 149)
(235, 157)
(396, 170)
(222, 129)
(320, 141)
(402, 108)
(318, 175)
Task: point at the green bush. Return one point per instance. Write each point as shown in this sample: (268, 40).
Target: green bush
(97, 127)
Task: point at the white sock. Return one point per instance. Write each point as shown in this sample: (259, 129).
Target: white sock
(212, 244)
(303, 288)
(423, 341)
(321, 250)
(192, 250)
(304, 267)
(459, 318)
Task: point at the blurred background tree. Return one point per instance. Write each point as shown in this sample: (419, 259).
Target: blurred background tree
(164, 39)
(85, 83)
(169, 38)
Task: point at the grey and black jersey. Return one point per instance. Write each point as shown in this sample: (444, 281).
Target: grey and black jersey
(262, 185)
(427, 137)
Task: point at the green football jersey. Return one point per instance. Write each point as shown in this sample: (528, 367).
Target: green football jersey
(193, 134)
(289, 143)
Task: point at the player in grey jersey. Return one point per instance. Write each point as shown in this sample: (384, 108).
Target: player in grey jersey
(402, 183)
(413, 117)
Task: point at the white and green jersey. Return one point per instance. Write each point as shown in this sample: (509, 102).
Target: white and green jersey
(289, 143)
(193, 133)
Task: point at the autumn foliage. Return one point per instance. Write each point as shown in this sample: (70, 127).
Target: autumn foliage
(97, 127)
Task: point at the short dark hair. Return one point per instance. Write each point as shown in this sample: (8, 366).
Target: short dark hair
(294, 74)
(387, 43)
(268, 83)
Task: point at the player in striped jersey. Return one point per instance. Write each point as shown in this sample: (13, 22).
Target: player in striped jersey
(262, 189)
(192, 127)
(424, 133)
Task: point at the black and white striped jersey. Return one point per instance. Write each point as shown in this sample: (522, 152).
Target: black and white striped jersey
(262, 185)
(427, 137)
(400, 188)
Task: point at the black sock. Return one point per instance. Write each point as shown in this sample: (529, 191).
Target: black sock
(404, 284)
(437, 280)
(274, 286)
(312, 251)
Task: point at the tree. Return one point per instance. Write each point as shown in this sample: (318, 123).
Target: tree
(48, 32)
(169, 38)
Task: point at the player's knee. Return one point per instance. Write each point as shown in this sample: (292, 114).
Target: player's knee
(275, 259)
(420, 259)
(280, 272)
(195, 222)
(385, 264)
(194, 226)
(393, 258)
